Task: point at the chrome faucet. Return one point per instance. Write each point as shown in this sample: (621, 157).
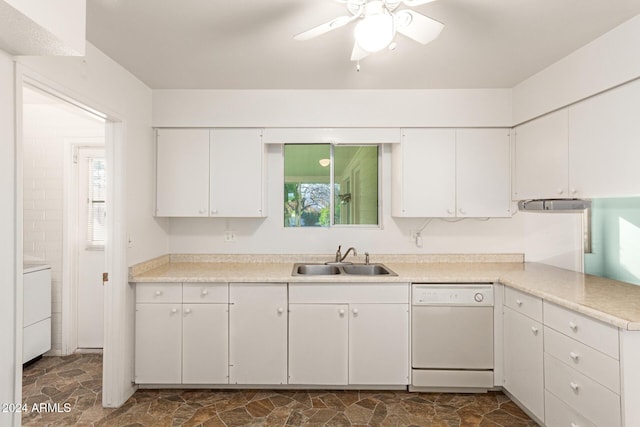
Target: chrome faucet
(340, 257)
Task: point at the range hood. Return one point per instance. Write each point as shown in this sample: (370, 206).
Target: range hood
(553, 205)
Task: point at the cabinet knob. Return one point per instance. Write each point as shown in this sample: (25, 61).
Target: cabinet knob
(575, 387)
(574, 425)
(574, 191)
(519, 303)
(202, 211)
(462, 211)
(450, 211)
(341, 312)
(280, 310)
(355, 311)
(573, 355)
(534, 330)
(560, 191)
(205, 292)
(174, 310)
(573, 326)
(187, 311)
(214, 211)
(158, 293)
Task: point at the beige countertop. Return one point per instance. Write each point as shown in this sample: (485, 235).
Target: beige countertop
(608, 300)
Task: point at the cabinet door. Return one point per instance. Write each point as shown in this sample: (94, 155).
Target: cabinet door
(483, 173)
(379, 344)
(523, 360)
(542, 158)
(318, 344)
(258, 333)
(236, 173)
(158, 347)
(603, 144)
(428, 172)
(205, 344)
(182, 172)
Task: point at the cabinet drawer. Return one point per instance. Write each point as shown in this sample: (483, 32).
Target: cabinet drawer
(584, 359)
(558, 414)
(194, 293)
(523, 303)
(589, 331)
(158, 292)
(594, 401)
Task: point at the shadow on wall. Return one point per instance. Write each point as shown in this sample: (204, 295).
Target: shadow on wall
(615, 236)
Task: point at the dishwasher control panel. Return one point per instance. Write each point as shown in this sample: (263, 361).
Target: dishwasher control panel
(463, 294)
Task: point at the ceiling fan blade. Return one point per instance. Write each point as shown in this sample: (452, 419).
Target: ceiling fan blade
(338, 22)
(358, 53)
(416, 26)
(413, 3)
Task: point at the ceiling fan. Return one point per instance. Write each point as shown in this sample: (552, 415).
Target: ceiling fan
(379, 21)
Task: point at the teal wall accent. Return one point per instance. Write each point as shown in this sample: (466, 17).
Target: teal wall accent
(615, 239)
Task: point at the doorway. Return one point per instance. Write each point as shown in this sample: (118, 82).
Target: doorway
(64, 206)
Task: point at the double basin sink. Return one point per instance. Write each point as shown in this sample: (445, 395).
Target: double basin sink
(305, 269)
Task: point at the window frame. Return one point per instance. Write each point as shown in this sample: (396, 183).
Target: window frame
(332, 194)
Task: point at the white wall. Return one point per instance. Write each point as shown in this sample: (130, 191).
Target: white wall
(99, 82)
(608, 61)
(46, 128)
(8, 325)
(332, 108)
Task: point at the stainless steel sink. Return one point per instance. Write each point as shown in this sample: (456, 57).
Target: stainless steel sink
(315, 270)
(368, 270)
(302, 269)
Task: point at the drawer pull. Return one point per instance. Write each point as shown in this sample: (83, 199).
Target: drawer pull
(519, 303)
(575, 356)
(158, 293)
(187, 311)
(205, 292)
(575, 387)
(280, 310)
(534, 330)
(341, 312)
(574, 425)
(355, 311)
(174, 310)
(573, 326)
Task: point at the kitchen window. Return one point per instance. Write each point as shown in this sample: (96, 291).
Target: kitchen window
(328, 185)
(96, 203)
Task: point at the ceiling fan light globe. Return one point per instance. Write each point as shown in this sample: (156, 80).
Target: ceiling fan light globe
(374, 32)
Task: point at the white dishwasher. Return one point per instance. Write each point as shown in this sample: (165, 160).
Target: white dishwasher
(452, 337)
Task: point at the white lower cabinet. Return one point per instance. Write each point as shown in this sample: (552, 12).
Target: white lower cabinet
(205, 344)
(158, 348)
(318, 344)
(258, 333)
(349, 334)
(523, 360)
(558, 414)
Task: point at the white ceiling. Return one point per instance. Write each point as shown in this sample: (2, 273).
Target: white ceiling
(248, 44)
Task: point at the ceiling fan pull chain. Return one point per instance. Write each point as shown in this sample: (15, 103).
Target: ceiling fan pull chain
(358, 66)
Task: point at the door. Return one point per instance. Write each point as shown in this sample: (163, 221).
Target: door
(91, 263)
(182, 173)
(318, 344)
(483, 173)
(542, 158)
(205, 356)
(428, 172)
(236, 173)
(379, 344)
(158, 346)
(523, 360)
(258, 333)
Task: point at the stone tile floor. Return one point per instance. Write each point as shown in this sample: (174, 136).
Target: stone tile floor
(77, 380)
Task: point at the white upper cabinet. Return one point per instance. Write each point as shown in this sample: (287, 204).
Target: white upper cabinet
(542, 158)
(182, 172)
(449, 173)
(203, 172)
(237, 172)
(482, 173)
(604, 144)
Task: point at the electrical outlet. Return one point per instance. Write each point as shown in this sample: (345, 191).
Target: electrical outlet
(229, 236)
